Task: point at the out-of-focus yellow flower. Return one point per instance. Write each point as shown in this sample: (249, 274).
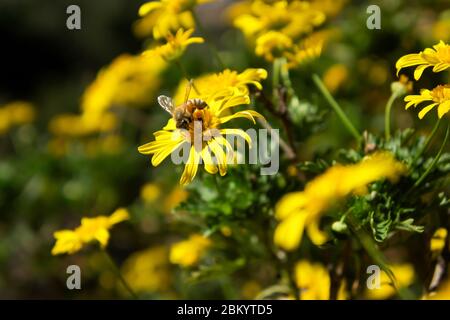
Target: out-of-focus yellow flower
(404, 276)
(313, 280)
(208, 134)
(437, 242)
(175, 46)
(188, 252)
(335, 76)
(442, 293)
(150, 192)
(73, 125)
(222, 84)
(300, 210)
(441, 29)
(329, 7)
(175, 197)
(71, 241)
(128, 81)
(438, 97)
(148, 270)
(14, 114)
(308, 49)
(437, 57)
(159, 18)
(273, 44)
(293, 18)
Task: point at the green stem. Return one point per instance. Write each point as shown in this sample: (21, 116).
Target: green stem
(342, 116)
(387, 116)
(435, 160)
(119, 275)
(428, 141)
(284, 71)
(208, 43)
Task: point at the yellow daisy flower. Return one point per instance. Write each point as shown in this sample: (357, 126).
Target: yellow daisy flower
(221, 85)
(14, 114)
(130, 80)
(207, 132)
(71, 241)
(188, 252)
(314, 282)
(272, 44)
(163, 17)
(437, 57)
(437, 242)
(292, 18)
(438, 97)
(175, 46)
(302, 210)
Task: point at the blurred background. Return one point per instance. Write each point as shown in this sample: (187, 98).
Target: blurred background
(50, 177)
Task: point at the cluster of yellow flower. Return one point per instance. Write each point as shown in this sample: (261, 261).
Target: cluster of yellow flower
(300, 210)
(284, 28)
(437, 57)
(164, 17)
(15, 114)
(128, 81)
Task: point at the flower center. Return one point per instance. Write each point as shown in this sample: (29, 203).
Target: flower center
(441, 93)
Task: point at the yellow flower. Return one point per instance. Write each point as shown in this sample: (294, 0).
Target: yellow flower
(300, 210)
(148, 270)
(335, 76)
(437, 57)
(128, 81)
(71, 241)
(437, 242)
(208, 134)
(150, 192)
(313, 280)
(442, 293)
(222, 84)
(272, 44)
(293, 18)
(308, 49)
(404, 276)
(188, 252)
(175, 46)
(174, 198)
(438, 97)
(14, 114)
(72, 125)
(160, 18)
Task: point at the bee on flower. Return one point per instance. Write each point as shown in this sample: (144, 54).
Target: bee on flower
(197, 125)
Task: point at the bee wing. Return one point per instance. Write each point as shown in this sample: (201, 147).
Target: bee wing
(166, 103)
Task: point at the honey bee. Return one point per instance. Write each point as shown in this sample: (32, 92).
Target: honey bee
(185, 113)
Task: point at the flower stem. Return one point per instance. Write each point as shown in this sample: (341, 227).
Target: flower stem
(208, 43)
(119, 275)
(335, 106)
(428, 141)
(387, 116)
(435, 160)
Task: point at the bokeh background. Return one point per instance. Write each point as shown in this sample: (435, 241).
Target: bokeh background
(48, 181)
